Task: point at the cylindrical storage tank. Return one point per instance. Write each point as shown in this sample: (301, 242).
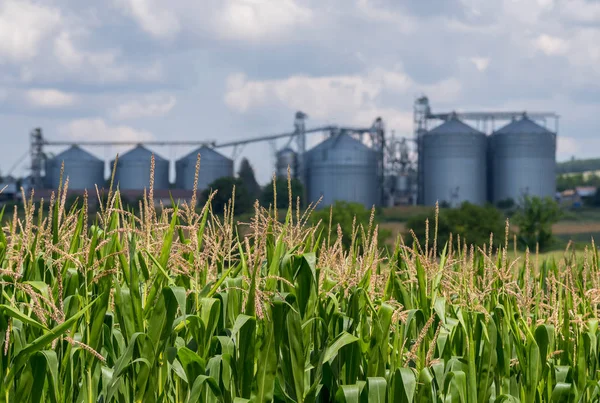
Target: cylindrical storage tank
(342, 168)
(213, 165)
(133, 170)
(523, 161)
(401, 185)
(83, 169)
(286, 158)
(454, 164)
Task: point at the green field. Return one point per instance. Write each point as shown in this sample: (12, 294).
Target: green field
(174, 306)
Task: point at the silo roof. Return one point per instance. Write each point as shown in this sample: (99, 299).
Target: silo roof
(207, 154)
(523, 126)
(341, 141)
(76, 153)
(454, 126)
(140, 152)
(285, 150)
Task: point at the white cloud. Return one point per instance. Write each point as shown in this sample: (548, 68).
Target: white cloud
(551, 45)
(566, 147)
(480, 63)
(24, 25)
(98, 66)
(403, 22)
(349, 98)
(66, 52)
(158, 21)
(49, 98)
(581, 11)
(151, 106)
(240, 20)
(98, 129)
(259, 19)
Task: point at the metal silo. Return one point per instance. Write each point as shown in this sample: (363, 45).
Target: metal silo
(133, 170)
(213, 165)
(454, 164)
(342, 168)
(523, 161)
(84, 170)
(286, 157)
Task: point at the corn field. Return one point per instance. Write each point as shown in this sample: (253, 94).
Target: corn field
(173, 305)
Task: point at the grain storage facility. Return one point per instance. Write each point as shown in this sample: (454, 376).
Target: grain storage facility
(523, 161)
(84, 170)
(343, 168)
(286, 157)
(133, 170)
(213, 165)
(454, 164)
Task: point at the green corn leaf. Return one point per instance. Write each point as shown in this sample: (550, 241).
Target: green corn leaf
(43, 341)
(14, 313)
(348, 394)
(263, 388)
(342, 340)
(377, 388)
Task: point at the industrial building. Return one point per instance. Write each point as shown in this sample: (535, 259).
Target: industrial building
(134, 167)
(213, 165)
(458, 163)
(454, 164)
(523, 161)
(452, 158)
(83, 169)
(342, 168)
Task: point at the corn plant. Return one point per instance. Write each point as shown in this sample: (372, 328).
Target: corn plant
(173, 304)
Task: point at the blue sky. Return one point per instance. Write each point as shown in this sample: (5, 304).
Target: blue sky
(228, 69)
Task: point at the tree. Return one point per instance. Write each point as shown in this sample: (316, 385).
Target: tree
(534, 218)
(283, 193)
(473, 223)
(246, 174)
(343, 213)
(224, 187)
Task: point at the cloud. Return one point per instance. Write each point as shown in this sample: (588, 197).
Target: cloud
(480, 63)
(581, 11)
(98, 129)
(151, 106)
(260, 19)
(402, 20)
(551, 45)
(160, 22)
(566, 147)
(24, 25)
(100, 65)
(235, 20)
(49, 98)
(332, 97)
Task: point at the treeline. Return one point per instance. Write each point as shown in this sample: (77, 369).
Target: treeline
(571, 181)
(247, 191)
(578, 166)
(473, 224)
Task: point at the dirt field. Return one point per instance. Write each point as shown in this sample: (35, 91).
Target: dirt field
(575, 227)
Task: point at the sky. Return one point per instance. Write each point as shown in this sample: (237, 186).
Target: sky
(220, 70)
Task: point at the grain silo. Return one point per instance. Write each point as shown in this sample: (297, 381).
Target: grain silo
(286, 157)
(523, 161)
(84, 170)
(213, 165)
(342, 168)
(454, 164)
(133, 170)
